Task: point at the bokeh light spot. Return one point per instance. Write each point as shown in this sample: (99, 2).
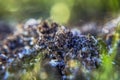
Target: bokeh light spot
(43, 75)
(60, 12)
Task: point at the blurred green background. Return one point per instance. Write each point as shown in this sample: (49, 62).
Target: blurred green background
(63, 11)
